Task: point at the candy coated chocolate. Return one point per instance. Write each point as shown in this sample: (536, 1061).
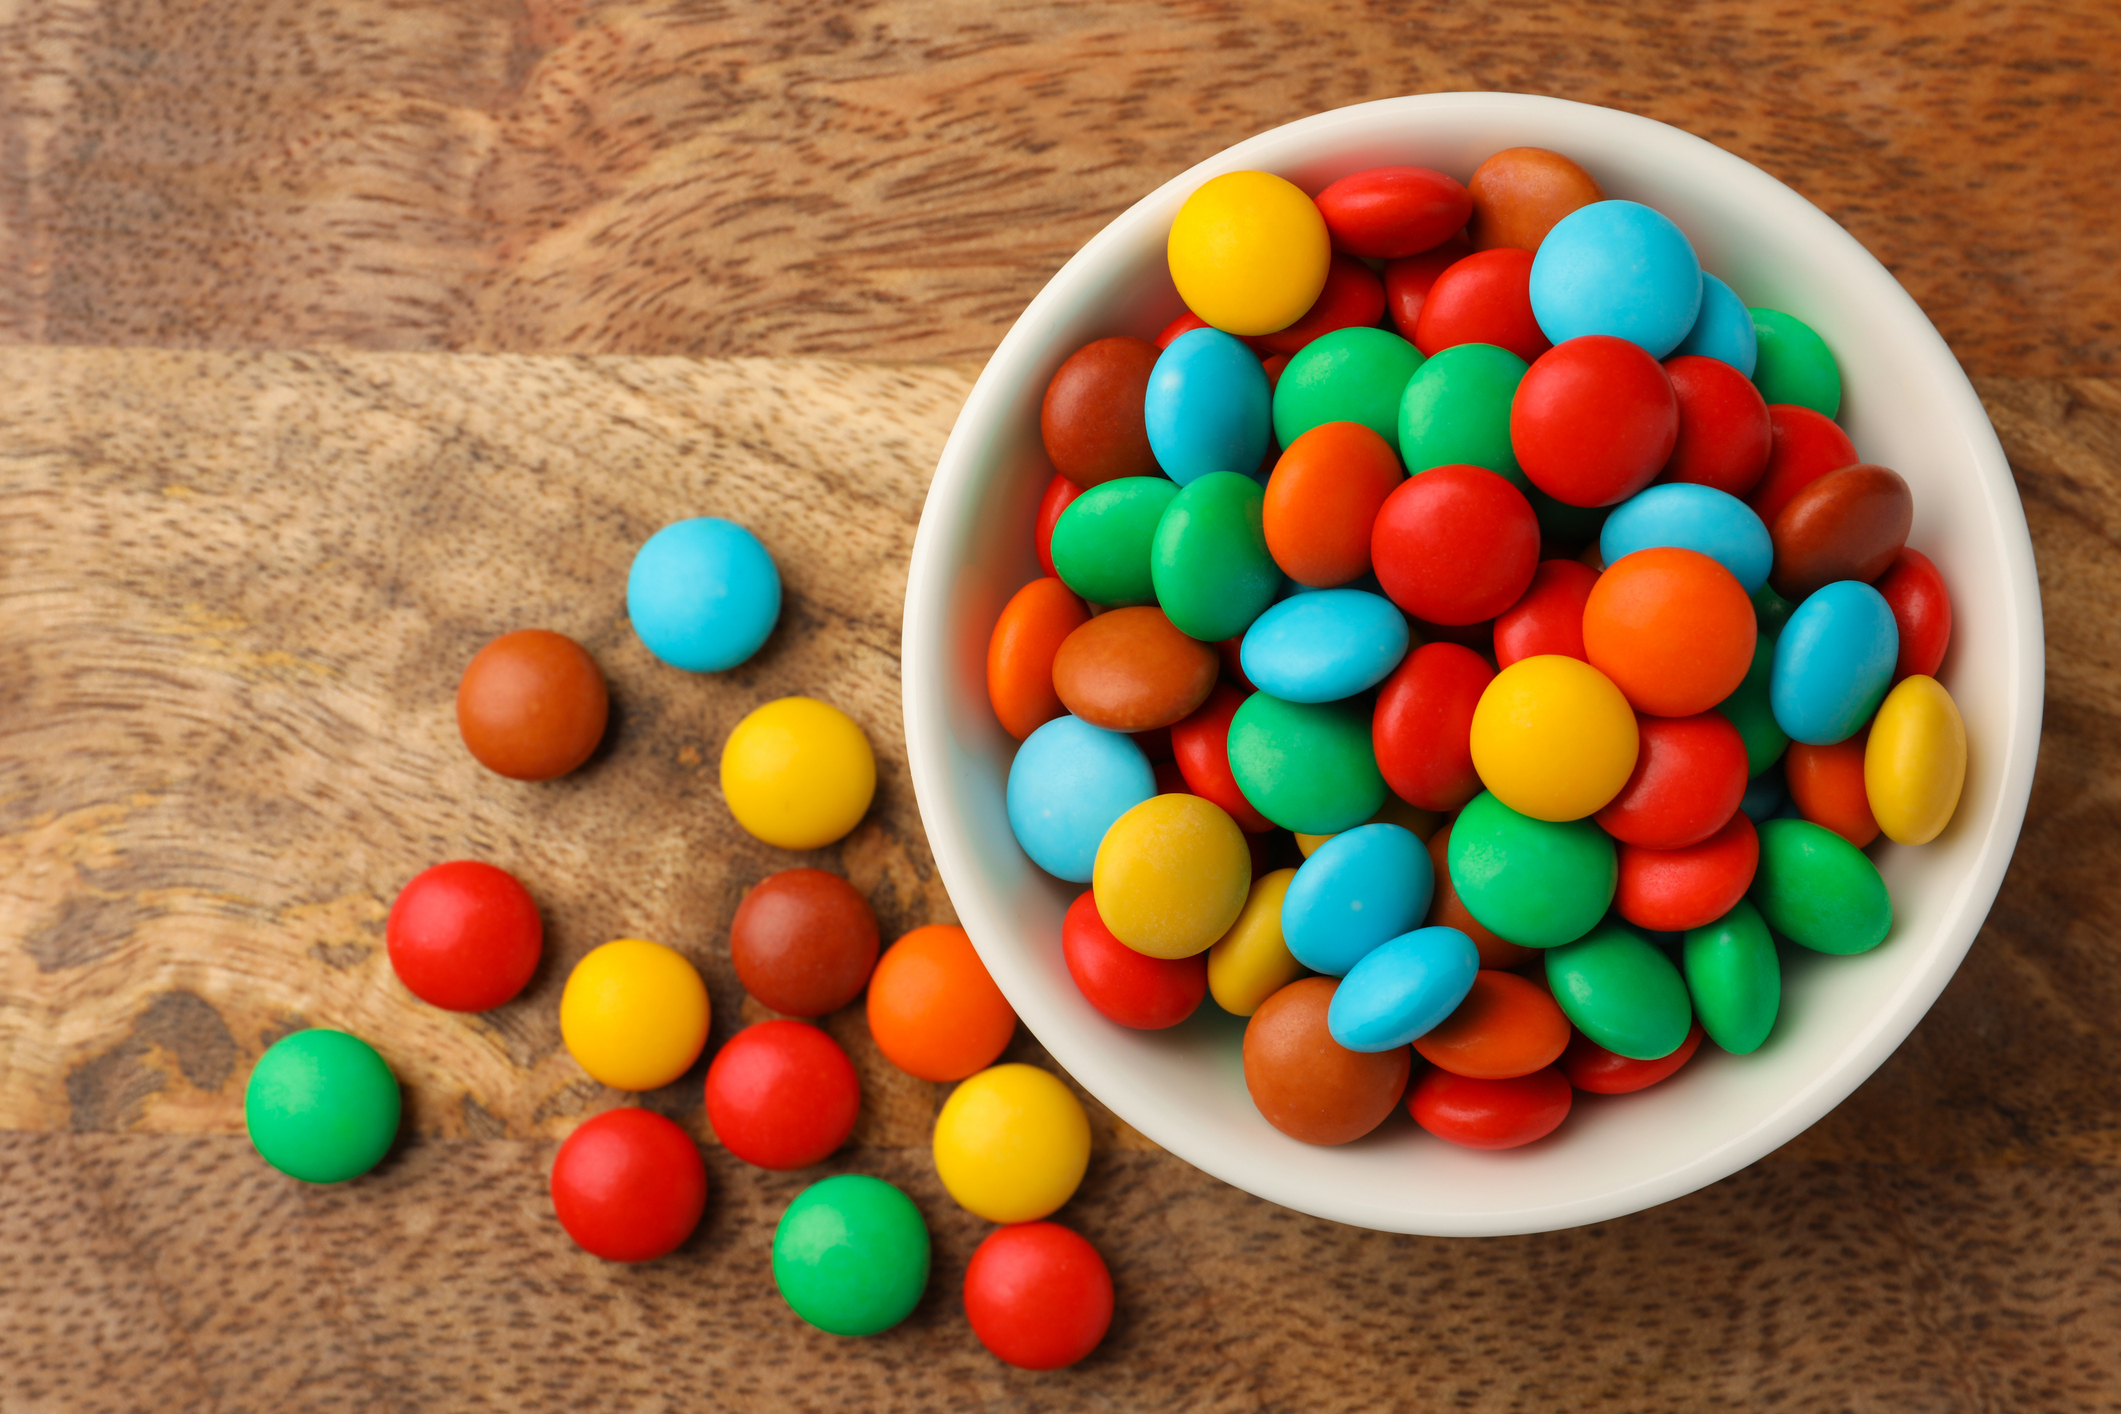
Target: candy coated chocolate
(1849, 524)
(1091, 418)
(1307, 1084)
(1130, 670)
(1520, 192)
(804, 942)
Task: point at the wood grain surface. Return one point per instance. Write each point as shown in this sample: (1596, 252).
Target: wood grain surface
(374, 308)
(894, 180)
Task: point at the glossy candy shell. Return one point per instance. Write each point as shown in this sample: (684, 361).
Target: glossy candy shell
(1325, 646)
(1358, 890)
(1403, 989)
(1620, 990)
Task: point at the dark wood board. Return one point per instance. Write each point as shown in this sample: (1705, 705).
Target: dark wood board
(410, 267)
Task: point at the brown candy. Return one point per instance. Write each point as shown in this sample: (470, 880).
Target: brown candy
(804, 942)
(1307, 1084)
(1091, 418)
(1849, 524)
(532, 705)
(1520, 192)
(1131, 671)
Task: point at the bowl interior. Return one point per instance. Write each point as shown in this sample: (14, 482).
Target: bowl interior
(1906, 405)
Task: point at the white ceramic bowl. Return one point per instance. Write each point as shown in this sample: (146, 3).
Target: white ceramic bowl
(1906, 405)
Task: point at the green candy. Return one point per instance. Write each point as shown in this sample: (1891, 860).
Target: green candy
(851, 1255)
(1620, 990)
(1307, 766)
(1456, 411)
(1101, 544)
(1795, 365)
(1209, 562)
(1536, 883)
(1349, 375)
(1770, 612)
(1735, 978)
(1818, 890)
(322, 1106)
(1749, 710)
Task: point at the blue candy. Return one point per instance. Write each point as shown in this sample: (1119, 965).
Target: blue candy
(1358, 889)
(1324, 645)
(1692, 517)
(1067, 785)
(1208, 407)
(1403, 989)
(1833, 663)
(1723, 329)
(703, 594)
(1619, 268)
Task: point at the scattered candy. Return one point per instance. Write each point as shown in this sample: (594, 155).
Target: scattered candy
(1039, 1296)
(629, 1186)
(798, 774)
(851, 1255)
(703, 594)
(634, 1014)
(321, 1106)
(803, 942)
(464, 936)
(1012, 1143)
(532, 705)
(782, 1095)
(933, 1010)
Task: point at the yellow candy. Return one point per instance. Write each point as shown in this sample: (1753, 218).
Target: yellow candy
(1394, 811)
(1011, 1144)
(634, 1014)
(797, 773)
(1171, 875)
(1553, 738)
(1250, 963)
(1249, 252)
(1914, 765)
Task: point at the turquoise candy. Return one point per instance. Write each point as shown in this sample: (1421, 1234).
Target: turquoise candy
(1456, 411)
(1536, 883)
(1619, 989)
(1349, 375)
(1207, 407)
(1356, 891)
(1102, 542)
(1735, 979)
(1750, 711)
(1818, 890)
(1403, 989)
(1833, 663)
(1209, 562)
(1306, 766)
(1324, 645)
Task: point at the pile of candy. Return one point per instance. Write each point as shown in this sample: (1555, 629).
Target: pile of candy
(1475, 552)
(851, 1254)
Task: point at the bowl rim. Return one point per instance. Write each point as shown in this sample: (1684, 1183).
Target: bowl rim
(926, 655)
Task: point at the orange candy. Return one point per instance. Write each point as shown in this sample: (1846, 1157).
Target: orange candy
(1672, 628)
(1020, 655)
(1506, 1027)
(1447, 910)
(1322, 500)
(1827, 784)
(1520, 192)
(933, 1010)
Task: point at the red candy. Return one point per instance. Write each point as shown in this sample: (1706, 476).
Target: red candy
(1672, 890)
(464, 936)
(1422, 729)
(1408, 282)
(1485, 298)
(1455, 545)
(1549, 618)
(1146, 993)
(1038, 1295)
(1387, 213)
(1201, 745)
(1923, 611)
(1724, 431)
(1591, 1067)
(1060, 491)
(1594, 420)
(1353, 297)
(1807, 445)
(1323, 499)
(1186, 323)
(1688, 780)
(629, 1186)
(1491, 1114)
(1091, 418)
(782, 1095)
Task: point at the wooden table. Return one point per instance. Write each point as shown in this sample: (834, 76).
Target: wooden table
(344, 338)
